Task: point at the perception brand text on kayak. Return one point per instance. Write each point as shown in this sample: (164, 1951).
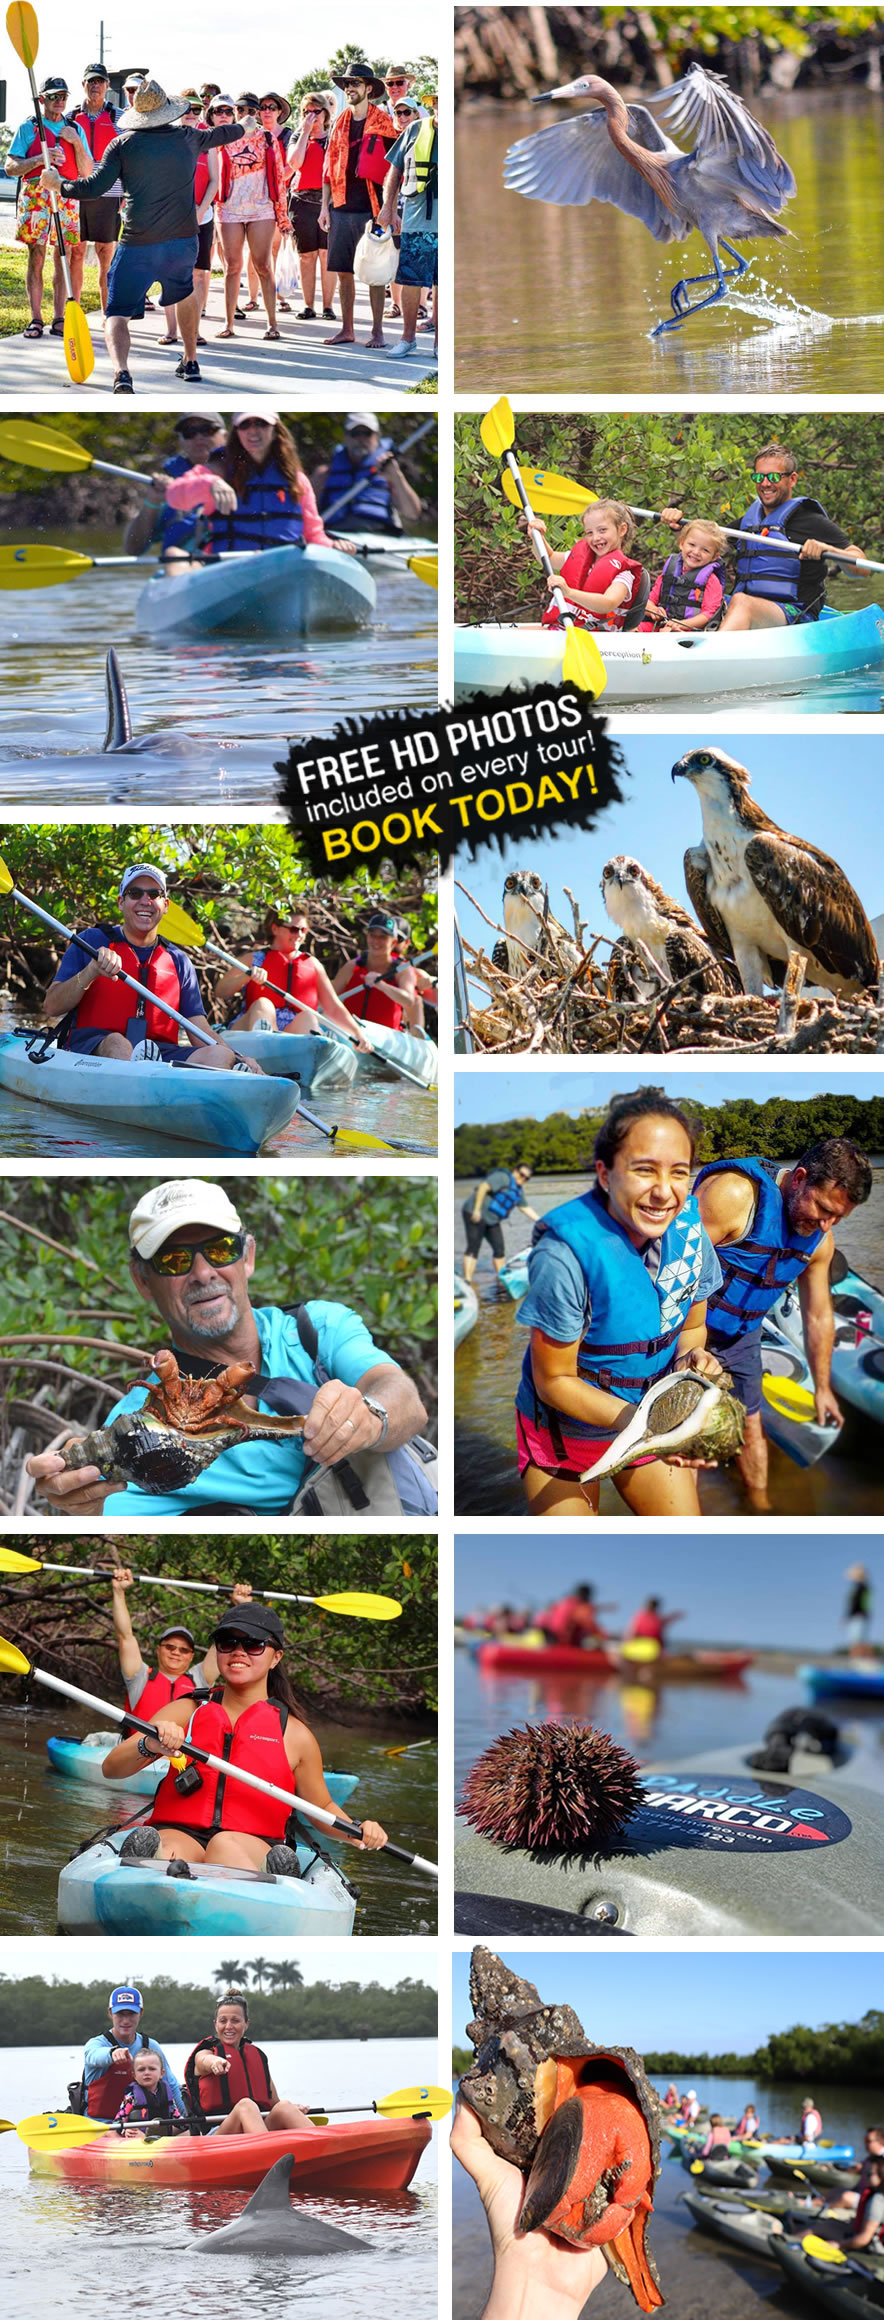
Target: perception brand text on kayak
(746, 1816)
(499, 765)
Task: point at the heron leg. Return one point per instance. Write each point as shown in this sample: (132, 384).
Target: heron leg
(682, 302)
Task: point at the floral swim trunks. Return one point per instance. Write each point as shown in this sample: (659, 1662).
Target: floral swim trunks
(34, 225)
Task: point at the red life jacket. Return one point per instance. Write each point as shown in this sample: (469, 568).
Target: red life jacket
(861, 2205)
(369, 1004)
(64, 159)
(648, 1623)
(111, 2084)
(310, 172)
(584, 570)
(99, 130)
(200, 179)
(159, 1690)
(249, 2075)
(296, 977)
(256, 1742)
(108, 1006)
(569, 1620)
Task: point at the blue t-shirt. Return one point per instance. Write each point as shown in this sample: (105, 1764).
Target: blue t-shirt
(75, 959)
(97, 2056)
(24, 138)
(558, 1302)
(262, 1476)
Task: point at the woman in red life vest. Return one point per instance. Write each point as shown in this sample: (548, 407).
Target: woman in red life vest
(689, 592)
(378, 986)
(250, 1718)
(598, 578)
(283, 983)
(227, 2073)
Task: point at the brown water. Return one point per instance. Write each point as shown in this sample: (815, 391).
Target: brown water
(564, 299)
(848, 1480)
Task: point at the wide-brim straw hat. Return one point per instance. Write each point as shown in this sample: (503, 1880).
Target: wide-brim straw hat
(272, 97)
(151, 109)
(360, 71)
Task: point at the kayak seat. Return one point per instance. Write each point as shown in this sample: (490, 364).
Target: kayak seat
(637, 608)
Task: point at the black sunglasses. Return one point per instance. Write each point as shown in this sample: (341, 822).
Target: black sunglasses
(247, 1643)
(219, 1249)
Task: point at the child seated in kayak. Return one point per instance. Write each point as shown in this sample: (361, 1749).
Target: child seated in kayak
(689, 592)
(150, 2096)
(596, 576)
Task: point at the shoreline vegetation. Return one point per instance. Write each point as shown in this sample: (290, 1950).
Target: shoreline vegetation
(37, 2011)
(780, 1128)
(502, 53)
(838, 2054)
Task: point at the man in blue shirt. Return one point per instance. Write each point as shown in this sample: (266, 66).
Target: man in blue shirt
(192, 1260)
(109, 1018)
(109, 2057)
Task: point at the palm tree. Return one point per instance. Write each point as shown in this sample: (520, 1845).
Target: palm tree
(287, 1975)
(259, 1968)
(229, 1973)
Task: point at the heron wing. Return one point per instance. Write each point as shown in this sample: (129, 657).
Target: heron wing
(574, 161)
(742, 154)
(696, 878)
(814, 903)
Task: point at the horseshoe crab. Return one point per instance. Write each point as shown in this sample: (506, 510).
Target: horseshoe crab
(184, 1424)
(581, 2121)
(685, 1412)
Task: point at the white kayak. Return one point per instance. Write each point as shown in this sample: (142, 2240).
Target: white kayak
(418, 1056)
(639, 667)
(306, 1056)
(235, 1111)
(386, 551)
(291, 590)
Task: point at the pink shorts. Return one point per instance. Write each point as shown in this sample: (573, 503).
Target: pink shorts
(537, 1448)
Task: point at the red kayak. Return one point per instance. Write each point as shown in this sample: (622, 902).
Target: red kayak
(559, 1659)
(373, 2155)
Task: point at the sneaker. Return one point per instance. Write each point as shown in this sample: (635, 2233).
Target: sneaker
(140, 1845)
(328, 314)
(282, 1861)
(123, 383)
(307, 313)
(147, 1051)
(405, 348)
(188, 371)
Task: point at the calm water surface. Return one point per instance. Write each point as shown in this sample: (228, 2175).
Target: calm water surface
(701, 2279)
(70, 2248)
(848, 1480)
(563, 300)
(43, 1818)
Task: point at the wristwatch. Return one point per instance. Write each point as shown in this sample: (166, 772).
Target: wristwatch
(378, 1411)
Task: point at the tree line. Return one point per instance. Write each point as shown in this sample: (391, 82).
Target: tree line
(40, 2012)
(838, 2054)
(516, 52)
(779, 1129)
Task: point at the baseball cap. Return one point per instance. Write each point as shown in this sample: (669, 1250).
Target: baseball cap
(205, 418)
(252, 1619)
(379, 918)
(185, 1631)
(125, 1999)
(54, 86)
(186, 1200)
(143, 870)
(367, 419)
(256, 411)
(95, 72)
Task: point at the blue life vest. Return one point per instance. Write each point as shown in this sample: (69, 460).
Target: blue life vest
(681, 592)
(621, 1291)
(175, 527)
(508, 1196)
(268, 515)
(764, 571)
(757, 1268)
(371, 508)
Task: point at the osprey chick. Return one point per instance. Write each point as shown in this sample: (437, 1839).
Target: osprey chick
(527, 921)
(635, 902)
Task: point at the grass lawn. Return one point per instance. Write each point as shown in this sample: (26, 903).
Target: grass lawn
(15, 313)
(428, 386)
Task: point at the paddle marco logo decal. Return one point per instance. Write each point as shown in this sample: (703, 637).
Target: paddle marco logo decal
(742, 1816)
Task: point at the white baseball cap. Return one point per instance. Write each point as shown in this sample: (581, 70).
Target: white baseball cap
(143, 870)
(367, 419)
(256, 411)
(186, 1200)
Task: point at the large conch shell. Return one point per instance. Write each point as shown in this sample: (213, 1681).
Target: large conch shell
(683, 1412)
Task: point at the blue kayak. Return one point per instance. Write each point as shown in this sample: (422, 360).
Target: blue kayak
(233, 1111)
(288, 591)
(307, 1056)
(847, 1683)
(99, 1893)
(858, 1353)
(659, 667)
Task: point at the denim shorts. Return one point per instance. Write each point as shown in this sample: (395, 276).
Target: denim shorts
(135, 265)
(742, 1357)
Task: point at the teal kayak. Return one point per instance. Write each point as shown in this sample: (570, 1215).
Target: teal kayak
(418, 1056)
(858, 1353)
(234, 1111)
(466, 1309)
(282, 591)
(310, 1058)
(99, 1893)
(843, 1683)
(655, 667)
(82, 1760)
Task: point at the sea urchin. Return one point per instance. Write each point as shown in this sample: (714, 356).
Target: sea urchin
(553, 1788)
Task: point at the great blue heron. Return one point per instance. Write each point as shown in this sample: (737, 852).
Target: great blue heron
(733, 184)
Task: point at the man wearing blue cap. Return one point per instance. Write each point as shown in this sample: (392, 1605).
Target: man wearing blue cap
(109, 2057)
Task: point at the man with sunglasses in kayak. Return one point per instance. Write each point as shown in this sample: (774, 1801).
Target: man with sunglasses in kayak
(100, 1015)
(149, 1690)
(774, 588)
(191, 1259)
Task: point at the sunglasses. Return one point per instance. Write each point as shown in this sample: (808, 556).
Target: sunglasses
(190, 430)
(218, 1249)
(770, 475)
(143, 894)
(228, 1643)
(219, 111)
(397, 81)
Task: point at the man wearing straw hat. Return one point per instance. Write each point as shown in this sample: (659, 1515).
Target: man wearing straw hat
(159, 237)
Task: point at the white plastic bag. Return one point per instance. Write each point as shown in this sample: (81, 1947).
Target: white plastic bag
(376, 257)
(288, 279)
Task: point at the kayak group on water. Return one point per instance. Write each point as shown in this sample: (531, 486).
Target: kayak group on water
(127, 2079)
(573, 1620)
(241, 488)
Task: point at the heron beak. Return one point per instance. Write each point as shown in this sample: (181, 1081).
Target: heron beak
(571, 89)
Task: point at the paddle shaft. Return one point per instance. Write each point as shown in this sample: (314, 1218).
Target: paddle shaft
(362, 479)
(204, 1037)
(53, 197)
(558, 596)
(179, 1586)
(310, 1812)
(773, 542)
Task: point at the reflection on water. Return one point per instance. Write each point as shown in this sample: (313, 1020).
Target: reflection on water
(564, 299)
(848, 1480)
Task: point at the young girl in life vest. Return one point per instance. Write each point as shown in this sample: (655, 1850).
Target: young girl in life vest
(596, 576)
(251, 1717)
(689, 592)
(149, 2097)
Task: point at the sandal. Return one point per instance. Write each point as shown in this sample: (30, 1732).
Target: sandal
(170, 339)
(271, 333)
(251, 306)
(283, 305)
(34, 330)
(227, 333)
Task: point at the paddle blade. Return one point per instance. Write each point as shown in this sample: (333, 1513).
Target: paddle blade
(360, 1606)
(642, 1649)
(823, 2249)
(497, 429)
(31, 446)
(24, 31)
(433, 2102)
(179, 927)
(50, 2130)
(697, 2167)
(550, 495)
(10, 1561)
(426, 569)
(39, 567)
(582, 663)
(7, 882)
(13, 1661)
(789, 1398)
(78, 348)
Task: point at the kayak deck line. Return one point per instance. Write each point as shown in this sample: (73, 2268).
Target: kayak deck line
(235, 1111)
(492, 656)
(286, 590)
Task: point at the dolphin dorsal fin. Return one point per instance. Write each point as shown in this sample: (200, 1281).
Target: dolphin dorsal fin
(119, 723)
(273, 2191)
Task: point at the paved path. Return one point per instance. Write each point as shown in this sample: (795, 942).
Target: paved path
(232, 368)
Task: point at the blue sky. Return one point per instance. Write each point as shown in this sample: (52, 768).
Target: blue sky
(794, 777)
(486, 1096)
(696, 2001)
(791, 1591)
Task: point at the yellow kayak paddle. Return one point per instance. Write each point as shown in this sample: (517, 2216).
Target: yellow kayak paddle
(582, 663)
(54, 2130)
(24, 33)
(31, 445)
(426, 568)
(30, 565)
(788, 1398)
(550, 495)
(351, 1605)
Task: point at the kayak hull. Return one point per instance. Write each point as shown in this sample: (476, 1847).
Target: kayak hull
(843, 1683)
(419, 1056)
(858, 1354)
(234, 1111)
(466, 1310)
(514, 1274)
(489, 659)
(82, 1760)
(824, 2175)
(314, 1061)
(289, 591)
(753, 2233)
(784, 1359)
(840, 2290)
(568, 1659)
(97, 1893)
(375, 2155)
(386, 551)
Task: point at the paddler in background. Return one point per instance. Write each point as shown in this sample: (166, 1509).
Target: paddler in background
(101, 1015)
(160, 525)
(149, 1690)
(746, 2128)
(283, 983)
(226, 2072)
(378, 985)
(485, 1212)
(110, 2056)
(858, 1610)
(427, 986)
(385, 500)
(573, 1619)
(650, 1623)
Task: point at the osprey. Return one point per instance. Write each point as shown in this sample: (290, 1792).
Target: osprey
(528, 919)
(657, 925)
(760, 893)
